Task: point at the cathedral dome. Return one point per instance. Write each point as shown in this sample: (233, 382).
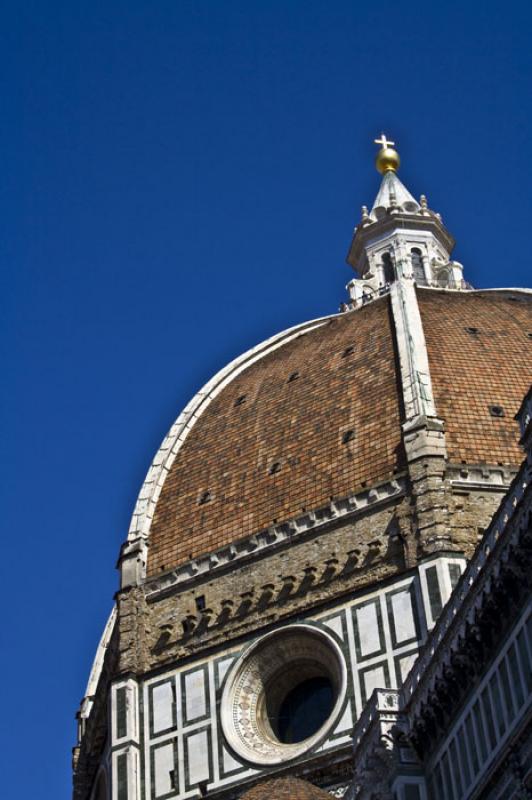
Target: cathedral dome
(304, 526)
(321, 412)
(314, 415)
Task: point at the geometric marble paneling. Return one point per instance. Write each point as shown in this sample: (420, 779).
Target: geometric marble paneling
(374, 677)
(369, 632)
(195, 694)
(379, 634)
(163, 768)
(163, 706)
(197, 760)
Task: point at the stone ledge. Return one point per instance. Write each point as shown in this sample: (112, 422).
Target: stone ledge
(480, 476)
(274, 537)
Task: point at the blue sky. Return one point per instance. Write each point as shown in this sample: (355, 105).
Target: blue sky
(179, 181)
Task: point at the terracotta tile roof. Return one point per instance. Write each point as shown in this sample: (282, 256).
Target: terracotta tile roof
(270, 445)
(480, 356)
(286, 789)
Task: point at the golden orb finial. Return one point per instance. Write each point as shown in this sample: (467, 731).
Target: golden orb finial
(387, 159)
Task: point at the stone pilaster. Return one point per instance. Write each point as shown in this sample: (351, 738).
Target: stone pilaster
(423, 431)
(132, 614)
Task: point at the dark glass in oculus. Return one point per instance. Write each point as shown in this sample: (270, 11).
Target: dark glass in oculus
(304, 710)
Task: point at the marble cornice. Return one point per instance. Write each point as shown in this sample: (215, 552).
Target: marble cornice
(383, 227)
(484, 477)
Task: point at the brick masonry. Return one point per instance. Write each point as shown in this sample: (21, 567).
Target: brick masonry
(232, 446)
(472, 371)
(281, 449)
(327, 565)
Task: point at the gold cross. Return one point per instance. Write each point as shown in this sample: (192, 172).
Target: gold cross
(383, 141)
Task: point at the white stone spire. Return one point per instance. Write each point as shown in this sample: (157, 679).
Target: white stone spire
(393, 195)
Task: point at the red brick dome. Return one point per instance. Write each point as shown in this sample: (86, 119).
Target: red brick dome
(480, 356)
(313, 419)
(316, 414)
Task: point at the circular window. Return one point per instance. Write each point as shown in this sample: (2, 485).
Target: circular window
(283, 694)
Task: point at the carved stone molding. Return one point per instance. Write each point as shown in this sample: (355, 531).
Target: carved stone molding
(276, 536)
(262, 678)
(480, 476)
